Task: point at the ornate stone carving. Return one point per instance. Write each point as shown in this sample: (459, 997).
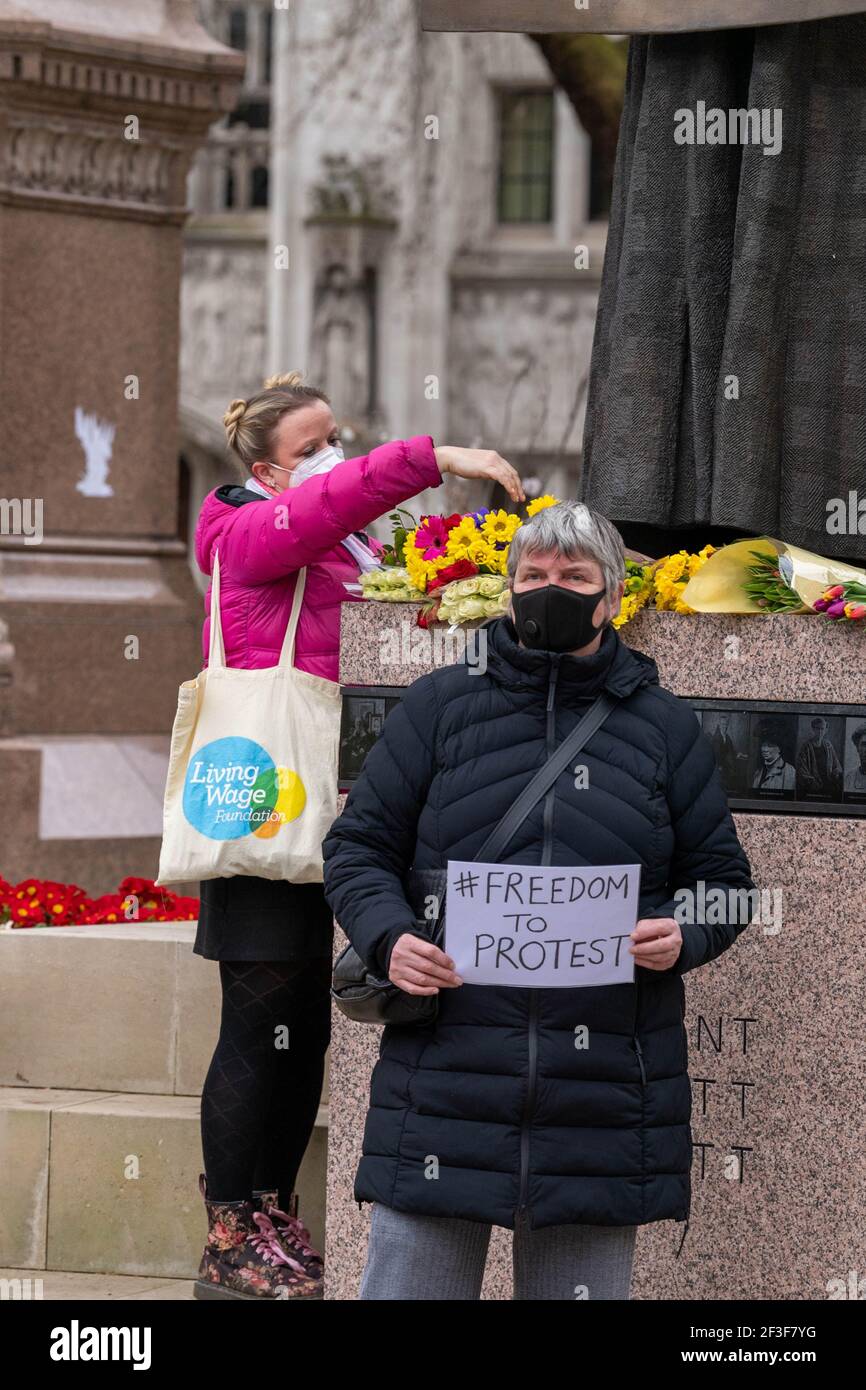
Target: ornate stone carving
(353, 190)
(92, 162)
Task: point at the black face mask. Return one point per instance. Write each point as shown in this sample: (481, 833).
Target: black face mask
(555, 619)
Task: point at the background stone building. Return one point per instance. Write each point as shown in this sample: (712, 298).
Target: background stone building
(398, 214)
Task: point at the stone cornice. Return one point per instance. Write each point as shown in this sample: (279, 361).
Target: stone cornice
(45, 72)
(145, 32)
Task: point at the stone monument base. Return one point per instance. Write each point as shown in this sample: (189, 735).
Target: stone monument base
(774, 1025)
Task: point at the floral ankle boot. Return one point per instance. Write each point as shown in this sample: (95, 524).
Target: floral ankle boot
(243, 1257)
(294, 1238)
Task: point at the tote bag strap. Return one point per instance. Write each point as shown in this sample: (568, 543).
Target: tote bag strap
(287, 654)
(216, 650)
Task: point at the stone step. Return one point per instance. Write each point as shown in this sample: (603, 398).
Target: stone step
(120, 1008)
(106, 1183)
(52, 1285)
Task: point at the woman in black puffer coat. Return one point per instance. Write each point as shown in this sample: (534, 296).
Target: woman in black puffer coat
(527, 1131)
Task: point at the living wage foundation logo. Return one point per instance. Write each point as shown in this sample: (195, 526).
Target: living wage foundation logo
(234, 788)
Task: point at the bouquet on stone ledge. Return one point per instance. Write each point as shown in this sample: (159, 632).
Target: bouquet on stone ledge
(36, 902)
(659, 583)
(765, 575)
(454, 566)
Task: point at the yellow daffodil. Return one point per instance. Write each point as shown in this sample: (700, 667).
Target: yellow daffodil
(540, 503)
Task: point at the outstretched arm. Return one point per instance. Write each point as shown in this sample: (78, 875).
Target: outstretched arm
(301, 524)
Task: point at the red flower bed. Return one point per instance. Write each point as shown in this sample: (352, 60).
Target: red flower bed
(36, 902)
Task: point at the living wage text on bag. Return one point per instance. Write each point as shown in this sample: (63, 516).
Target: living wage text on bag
(252, 777)
(532, 925)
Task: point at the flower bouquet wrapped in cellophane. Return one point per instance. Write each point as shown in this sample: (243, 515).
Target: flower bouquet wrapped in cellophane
(766, 575)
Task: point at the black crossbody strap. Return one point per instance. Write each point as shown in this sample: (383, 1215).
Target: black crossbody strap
(545, 778)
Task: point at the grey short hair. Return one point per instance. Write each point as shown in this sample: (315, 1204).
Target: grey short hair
(571, 529)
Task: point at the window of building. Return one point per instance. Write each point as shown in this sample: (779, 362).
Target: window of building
(259, 187)
(255, 114)
(525, 157)
(267, 39)
(238, 29)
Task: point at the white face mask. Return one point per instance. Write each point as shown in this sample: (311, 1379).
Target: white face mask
(322, 462)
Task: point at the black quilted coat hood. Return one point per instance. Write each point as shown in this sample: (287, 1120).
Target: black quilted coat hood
(496, 1091)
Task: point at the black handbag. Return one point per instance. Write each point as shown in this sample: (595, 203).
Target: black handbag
(367, 998)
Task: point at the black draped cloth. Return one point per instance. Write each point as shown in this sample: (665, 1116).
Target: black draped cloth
(726, 262)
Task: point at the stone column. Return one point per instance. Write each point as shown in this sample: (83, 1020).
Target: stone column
(102, 107)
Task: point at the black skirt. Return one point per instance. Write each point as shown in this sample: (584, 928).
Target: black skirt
(263, 919)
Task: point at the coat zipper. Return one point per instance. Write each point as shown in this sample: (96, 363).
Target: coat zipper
(639, 1051)
(635, 1039)
(546, 857)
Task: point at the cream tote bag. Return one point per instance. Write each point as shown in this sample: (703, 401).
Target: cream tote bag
(252, 774)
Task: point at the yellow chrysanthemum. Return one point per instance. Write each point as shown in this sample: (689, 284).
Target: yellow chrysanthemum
(540, 503)
(631, 606)
(670, 577)
(698, 561)
(463, 534)
(418, 569)
(500, 526)
(481, 552)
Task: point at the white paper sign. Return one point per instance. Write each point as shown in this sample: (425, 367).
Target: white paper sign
(541, 926)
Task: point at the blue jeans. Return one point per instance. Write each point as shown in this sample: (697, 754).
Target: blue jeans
(437, 1257)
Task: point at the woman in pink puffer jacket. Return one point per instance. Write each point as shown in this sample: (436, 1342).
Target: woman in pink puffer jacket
(302, 505)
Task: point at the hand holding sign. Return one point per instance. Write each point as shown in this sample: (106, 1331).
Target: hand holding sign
(528, 925)
(657, 942)
(419, 967)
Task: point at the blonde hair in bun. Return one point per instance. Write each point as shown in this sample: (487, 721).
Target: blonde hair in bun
(250, 424)
(287, 379)
(232, 419)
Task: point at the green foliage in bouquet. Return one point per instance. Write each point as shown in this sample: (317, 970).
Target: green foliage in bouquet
(766, 586)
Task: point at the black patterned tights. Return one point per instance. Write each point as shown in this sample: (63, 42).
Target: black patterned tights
(264, 1084)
